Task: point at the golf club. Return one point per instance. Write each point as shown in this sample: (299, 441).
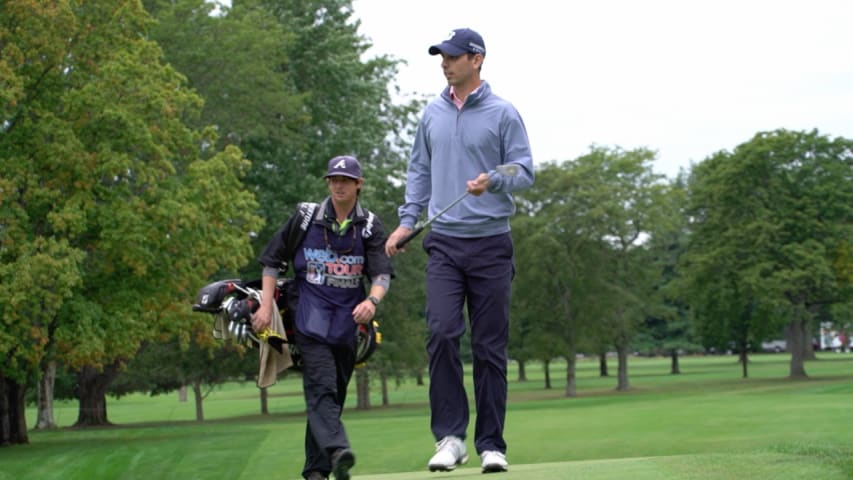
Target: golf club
(508, 170)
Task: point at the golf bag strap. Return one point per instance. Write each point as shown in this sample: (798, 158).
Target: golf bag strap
(308, 212)
(304, 214)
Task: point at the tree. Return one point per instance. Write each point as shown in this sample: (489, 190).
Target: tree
(114, 210)
(627, 202)
(771, 233)
(239, 62)
(345, 105)
(165, 366)
(668, 328)
(585, 253)
(558, 273)
(530, 338)
(313, 96)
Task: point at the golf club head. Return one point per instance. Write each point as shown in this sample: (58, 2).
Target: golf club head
(507, 170)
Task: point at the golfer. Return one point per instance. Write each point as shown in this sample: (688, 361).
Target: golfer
(342, 246)
(465, 134)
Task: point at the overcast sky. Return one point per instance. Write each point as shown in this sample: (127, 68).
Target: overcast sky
(684, 78)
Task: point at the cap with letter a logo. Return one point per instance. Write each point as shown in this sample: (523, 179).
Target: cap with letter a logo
(344, 166)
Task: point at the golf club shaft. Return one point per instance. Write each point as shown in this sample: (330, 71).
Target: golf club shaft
(509, 171)
(414, 233)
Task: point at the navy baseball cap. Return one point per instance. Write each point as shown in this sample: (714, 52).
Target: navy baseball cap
(461, 40)
(344, 166)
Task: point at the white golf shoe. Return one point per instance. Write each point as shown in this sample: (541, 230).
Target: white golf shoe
(493, 461)
(449, 453)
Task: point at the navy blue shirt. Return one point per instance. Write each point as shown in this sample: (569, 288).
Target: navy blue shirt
(330, 273)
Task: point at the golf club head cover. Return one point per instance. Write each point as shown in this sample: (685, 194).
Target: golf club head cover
(211, 296)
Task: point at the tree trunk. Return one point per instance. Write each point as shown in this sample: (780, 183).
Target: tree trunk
(674, 368)
(92, 393)
(383, 380)
(522, 371)
(362, 384)
(796, 331)
(182, 394)
(602, 365)
(571, 379)
(13, 419)
(199, 401)
(743, 358)
(547, 367)
(622, 368)
(419, 379)
(265, 409)
(45, 420)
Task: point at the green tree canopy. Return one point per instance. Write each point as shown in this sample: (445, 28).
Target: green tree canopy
(771, 228)
(289, 82)
(114, 210)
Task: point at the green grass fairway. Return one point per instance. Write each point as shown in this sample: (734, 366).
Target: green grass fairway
(706, 423)
(695, 467)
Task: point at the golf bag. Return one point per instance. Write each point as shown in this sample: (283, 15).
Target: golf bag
(232, 302)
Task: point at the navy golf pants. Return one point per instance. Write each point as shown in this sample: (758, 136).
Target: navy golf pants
(477, 272)
(326, 371)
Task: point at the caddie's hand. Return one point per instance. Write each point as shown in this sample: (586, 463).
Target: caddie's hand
(397, 235)
(262, 318)
(364, 312)
(478, 185)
